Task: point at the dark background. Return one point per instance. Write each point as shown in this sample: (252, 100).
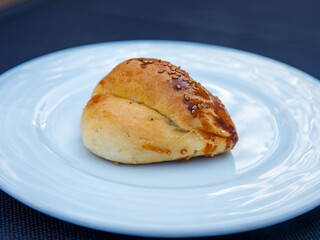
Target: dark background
(288, 31)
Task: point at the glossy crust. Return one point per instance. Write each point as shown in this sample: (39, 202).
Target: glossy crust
(190, 120)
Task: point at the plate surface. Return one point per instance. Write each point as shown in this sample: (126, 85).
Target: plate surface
(273, 173)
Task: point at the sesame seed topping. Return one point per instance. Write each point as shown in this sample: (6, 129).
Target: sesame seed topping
(202, 105)
(174, 77)
(178, 86)
(145, 61)
(183, 151)
(169, 65)
(194, 107)
(161, 71)
(192, 111)
(205, 90)
(186, 97)
(199, 105)
(150, 61)
(194, 87)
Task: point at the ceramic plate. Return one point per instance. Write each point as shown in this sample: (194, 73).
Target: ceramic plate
(273, 173)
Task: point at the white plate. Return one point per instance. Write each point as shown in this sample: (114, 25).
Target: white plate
(273, 174)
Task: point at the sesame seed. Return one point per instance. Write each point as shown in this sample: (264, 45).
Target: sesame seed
(169, 65)
(145, 61)
(202, 105)
(178, 86)
(205, 90)
(192, 111)
(199, 105)
(194, 107)
(194, 87)
(186, 97)
(174, 77)
(183, 151)
(161, 71)
(150, 61)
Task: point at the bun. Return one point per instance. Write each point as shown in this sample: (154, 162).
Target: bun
(148, 110)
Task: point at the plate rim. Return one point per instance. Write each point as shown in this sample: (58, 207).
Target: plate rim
(162, 41)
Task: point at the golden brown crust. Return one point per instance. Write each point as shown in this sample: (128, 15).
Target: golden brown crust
(170, 90)
(148, 110)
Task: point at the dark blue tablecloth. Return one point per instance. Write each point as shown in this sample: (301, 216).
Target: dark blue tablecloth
(288, 31)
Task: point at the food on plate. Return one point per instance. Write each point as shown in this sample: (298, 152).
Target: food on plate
(148, 110)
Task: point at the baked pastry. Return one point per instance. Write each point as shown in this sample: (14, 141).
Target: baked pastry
(148, 110)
